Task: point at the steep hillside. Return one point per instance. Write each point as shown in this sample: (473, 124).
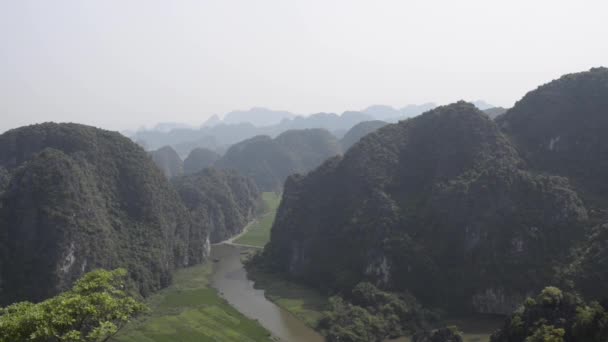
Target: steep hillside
(220, 199)
(81, 198)
(168, 161)
(199, 159)
(269, 161)
(359, 131)
(440, 205)
(561, 128)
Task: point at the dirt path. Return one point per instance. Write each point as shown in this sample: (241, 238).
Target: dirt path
(230, 241)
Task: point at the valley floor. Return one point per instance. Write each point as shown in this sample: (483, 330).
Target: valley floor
(191, 311)
(258, 234)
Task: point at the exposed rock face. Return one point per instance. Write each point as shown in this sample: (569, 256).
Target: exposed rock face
(220, 199)
(359, 131)
(199, 159)
(168, 161)
(269, 161)
(440, 205)
(81, 198)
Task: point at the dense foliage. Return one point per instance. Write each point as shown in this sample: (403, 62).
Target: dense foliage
(556, 316)
(222, 200)
(359, 131)
(199, 159)
(81, 198)
(269, 161)
(447, 334)
(168, 161)
(369, 314)
(560, 127)
(94, 309)
(440, 205)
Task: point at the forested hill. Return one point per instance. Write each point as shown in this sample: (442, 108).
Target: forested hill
(220, 199)
(560, 128)
(168, 161)
(199, 159)
(78, 198)
(269, 161)
(359, 131)
(440, 205)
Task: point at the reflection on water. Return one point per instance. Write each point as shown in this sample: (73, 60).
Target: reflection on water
(230, 279)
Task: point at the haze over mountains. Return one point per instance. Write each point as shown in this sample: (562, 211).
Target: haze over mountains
(457, 210)
(218, 134)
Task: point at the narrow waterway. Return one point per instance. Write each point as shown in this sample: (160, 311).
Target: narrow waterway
(230, 279)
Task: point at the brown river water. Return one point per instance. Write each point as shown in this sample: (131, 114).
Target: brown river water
(230, 279)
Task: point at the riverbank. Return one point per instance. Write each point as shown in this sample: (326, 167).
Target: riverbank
(257, 234)
(303, 302)
(190, 310)
(308, 305)
(231, 280)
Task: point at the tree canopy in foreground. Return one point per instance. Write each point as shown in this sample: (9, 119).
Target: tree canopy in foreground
(94, 309)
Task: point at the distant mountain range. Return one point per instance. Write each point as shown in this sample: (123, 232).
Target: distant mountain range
(266, 160)
(218, 134)
(390, 114)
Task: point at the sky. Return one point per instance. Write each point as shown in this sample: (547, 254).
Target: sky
(123, 64)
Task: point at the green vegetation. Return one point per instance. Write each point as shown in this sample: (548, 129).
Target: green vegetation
(440, 206)
(79, 198)
(191, 311)
(359, 131)
(269, 161)
(199, 159)
(92, 311)
(303, 302)
(258, 234)
(223, 200)
(556, 316)
(447, 334)
(370, 314)
(168, 161)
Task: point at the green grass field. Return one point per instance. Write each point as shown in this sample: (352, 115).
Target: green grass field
(191, 311)
(259, 233)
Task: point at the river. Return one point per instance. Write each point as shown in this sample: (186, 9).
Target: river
(230, 279)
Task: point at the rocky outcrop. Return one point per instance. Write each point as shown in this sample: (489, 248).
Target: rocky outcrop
(440, 205)
(81, 198)
(222, 200)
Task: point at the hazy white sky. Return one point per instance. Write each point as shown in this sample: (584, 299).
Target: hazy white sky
(124, 63)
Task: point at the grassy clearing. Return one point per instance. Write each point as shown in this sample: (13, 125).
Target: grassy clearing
(259, 232)
(191, 311)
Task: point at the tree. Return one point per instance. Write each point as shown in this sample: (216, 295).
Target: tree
(94, 310)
